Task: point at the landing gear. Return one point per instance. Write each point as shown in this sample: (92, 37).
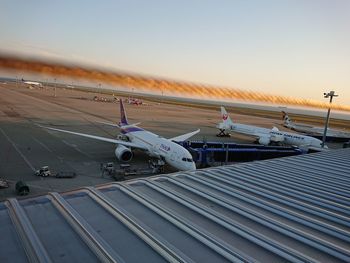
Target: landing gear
(107, 168)
(157, 165)
(222, 133)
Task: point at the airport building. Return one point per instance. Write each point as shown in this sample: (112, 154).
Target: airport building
(291, 209)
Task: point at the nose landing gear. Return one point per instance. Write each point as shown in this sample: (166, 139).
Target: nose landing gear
(222, 133)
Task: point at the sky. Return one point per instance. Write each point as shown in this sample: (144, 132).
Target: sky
(298, 48)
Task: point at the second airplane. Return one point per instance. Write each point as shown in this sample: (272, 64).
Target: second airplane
(267, 136)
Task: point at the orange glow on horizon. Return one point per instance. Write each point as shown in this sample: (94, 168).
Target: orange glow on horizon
(152, 84)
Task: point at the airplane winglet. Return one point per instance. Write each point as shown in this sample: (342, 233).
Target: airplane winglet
(184, 137)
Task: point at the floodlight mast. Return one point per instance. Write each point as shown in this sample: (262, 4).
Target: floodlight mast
(55, 88)
(329, 95)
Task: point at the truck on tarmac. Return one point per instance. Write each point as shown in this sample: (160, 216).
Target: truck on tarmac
(43, 171)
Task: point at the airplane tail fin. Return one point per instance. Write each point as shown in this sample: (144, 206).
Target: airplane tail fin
(286, 119)
(123, 117)
(225, 118)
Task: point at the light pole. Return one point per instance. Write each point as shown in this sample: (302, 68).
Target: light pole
(55, 88)
(329, 95)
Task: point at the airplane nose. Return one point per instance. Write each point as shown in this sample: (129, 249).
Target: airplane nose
(193, 166)
(188, 166)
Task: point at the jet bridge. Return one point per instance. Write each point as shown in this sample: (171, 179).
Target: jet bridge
(219, 153)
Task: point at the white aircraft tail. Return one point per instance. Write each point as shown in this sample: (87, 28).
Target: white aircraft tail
(286, 120)
(123, 119)
(226, 120)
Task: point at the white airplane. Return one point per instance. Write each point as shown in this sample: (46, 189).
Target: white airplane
(33, 83)
(332, 134)
(266, 136)
(154, 145)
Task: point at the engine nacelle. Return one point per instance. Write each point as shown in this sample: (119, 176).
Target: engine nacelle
(277, 138)
(123, 153)
(264, 140)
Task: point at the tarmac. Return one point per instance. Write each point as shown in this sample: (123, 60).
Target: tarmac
(25, 147)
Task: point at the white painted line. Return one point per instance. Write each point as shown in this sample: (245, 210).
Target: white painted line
(20, 153)
(77, 149)
(43, 145)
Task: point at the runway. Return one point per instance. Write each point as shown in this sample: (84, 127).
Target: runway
(26, 147)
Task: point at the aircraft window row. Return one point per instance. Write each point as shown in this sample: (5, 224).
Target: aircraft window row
(187, 160)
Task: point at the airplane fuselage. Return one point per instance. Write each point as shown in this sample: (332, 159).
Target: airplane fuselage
(32, 83)
(318, 131)
(249, 129)
(315, 131)
(173, 153)
(288, 138)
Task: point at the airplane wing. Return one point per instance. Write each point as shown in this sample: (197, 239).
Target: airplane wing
(129, 144)
(184, 137)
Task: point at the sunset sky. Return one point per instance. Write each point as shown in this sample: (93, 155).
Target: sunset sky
(294, 48)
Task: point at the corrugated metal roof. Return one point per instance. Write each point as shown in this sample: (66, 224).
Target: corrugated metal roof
(289, 209)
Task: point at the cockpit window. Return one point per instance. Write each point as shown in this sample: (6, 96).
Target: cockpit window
(187, 160)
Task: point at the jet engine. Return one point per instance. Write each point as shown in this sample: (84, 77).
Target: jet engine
(264, 140)
(123, 153)
(277, 138)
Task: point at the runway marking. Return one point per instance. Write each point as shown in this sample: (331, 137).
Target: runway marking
(43, 145)
(20, 153)
(76, 148)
